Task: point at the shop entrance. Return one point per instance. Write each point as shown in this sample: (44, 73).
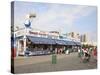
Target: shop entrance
(20, 47)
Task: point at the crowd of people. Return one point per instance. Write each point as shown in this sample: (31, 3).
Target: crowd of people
(86, 53)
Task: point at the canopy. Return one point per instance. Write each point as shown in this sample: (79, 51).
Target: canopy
(78, 43)
(71, 43)
(61, 42)
(40, 40)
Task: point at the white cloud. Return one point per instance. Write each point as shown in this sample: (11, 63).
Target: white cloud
(59, 17)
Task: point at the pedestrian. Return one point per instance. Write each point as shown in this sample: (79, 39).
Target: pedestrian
(56, 51)
(85, 56)
(67, 51)
(95, 54)
(81, 53)
(79, 50)
(27, 51)
(90, 50)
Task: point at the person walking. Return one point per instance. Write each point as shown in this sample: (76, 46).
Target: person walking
(85, 56)
(95, 54)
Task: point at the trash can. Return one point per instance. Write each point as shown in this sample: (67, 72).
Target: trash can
(54, 59)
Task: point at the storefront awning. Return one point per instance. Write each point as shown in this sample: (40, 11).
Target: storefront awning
(64, 42)
(40, 40)
(78, 43)
(61, 42)
(71, 43)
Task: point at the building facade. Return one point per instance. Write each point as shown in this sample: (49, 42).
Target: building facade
(40, 42)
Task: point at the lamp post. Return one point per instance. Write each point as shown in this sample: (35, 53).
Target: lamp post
(27, 25)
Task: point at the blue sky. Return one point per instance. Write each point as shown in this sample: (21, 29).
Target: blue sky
(61, 17)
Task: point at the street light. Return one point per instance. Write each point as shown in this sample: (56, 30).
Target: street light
(27, 25)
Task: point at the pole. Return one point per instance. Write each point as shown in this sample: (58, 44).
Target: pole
(24, 41)
(27, 24)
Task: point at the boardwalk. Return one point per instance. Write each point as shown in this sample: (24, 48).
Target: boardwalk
(43, 64)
